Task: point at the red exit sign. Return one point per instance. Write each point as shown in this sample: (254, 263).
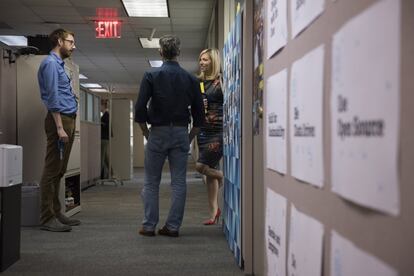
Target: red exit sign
(108, 29)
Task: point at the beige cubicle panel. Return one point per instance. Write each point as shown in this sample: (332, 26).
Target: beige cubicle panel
(90, 153)
(121, 144)
(30, 118)
(7, 99)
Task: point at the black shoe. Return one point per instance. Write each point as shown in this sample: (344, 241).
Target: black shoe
(67, 221)
(147, 233)
(55, 226)
(166, 232)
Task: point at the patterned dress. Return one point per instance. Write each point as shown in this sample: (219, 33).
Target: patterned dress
(210, 138)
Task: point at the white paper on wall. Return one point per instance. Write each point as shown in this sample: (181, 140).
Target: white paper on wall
(365, 108)
(276, 22)
(347, 259)
(306, 106)
(275, 233)
(305, 245)
(303, 12)
(276, 121)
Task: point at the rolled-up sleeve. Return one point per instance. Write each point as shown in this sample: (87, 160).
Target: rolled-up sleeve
(145, 93)
(48, 79)
(197, 106)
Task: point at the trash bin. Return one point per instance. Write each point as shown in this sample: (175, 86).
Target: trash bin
(30, 204)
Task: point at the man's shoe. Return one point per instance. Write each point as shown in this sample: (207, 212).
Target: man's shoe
(67, 221)
(147, 233)
(166, 232)
(55, 226)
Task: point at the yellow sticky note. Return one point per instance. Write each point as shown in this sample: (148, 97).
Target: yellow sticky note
(261, 68)
(202, 87)
(261, 84)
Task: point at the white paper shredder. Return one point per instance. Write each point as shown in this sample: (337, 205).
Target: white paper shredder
(11, 163)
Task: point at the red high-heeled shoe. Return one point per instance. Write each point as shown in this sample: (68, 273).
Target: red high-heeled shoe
(215, 220)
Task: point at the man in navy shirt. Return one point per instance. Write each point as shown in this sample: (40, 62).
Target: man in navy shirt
(61, 103)
(169, 96)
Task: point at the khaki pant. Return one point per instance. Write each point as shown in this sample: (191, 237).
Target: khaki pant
(54, 168)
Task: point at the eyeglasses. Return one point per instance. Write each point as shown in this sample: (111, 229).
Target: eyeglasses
(71, 42)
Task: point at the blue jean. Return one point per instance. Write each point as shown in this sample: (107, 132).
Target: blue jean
(163, 142)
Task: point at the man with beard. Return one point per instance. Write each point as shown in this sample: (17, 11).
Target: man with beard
(61, 103)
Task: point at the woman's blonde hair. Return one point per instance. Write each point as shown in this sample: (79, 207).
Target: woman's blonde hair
(214, 55)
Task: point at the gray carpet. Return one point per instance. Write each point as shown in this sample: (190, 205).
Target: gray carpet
(107, 241)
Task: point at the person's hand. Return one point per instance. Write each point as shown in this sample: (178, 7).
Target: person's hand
(144, 129)
(193, 132)
(145, 133)
(205, 102)
(62, 135)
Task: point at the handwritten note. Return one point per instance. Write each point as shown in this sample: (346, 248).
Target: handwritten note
(347, 259)
(303, 12)
(276, 121)
(305, 245)
(275, 233)
(306, 101)
(276, 26)
(365, 108)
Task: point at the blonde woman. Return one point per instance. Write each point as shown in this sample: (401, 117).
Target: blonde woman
(210, 138)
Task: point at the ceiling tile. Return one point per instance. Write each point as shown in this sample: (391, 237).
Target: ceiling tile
(49, 3)
(121, 62)
(191, 4)
(98, 4)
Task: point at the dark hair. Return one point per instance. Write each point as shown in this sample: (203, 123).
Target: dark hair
(59, 34)
(170, 46)
(104, 103)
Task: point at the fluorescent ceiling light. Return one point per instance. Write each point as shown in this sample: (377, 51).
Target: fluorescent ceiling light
(146, 8)
(82, 77)
(155, 63)
(153, 43)
(91, 85)
(98, 90)
(13, 40)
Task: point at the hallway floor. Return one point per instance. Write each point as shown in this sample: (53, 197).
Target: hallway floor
(107, 242)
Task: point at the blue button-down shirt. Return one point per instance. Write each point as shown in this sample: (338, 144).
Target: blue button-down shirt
(55, 89)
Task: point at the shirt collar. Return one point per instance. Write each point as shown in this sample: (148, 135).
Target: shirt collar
(170, 62)
(57, 58)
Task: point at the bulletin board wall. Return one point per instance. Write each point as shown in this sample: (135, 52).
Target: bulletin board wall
(383, 233)
(232, 155)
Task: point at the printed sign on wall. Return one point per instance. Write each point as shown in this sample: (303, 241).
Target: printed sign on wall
(276, 31)
(305, 245)
(365, 108)
(303, 12)
(275, 233)
(306, 101)
(276, 122)
(347, 259)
